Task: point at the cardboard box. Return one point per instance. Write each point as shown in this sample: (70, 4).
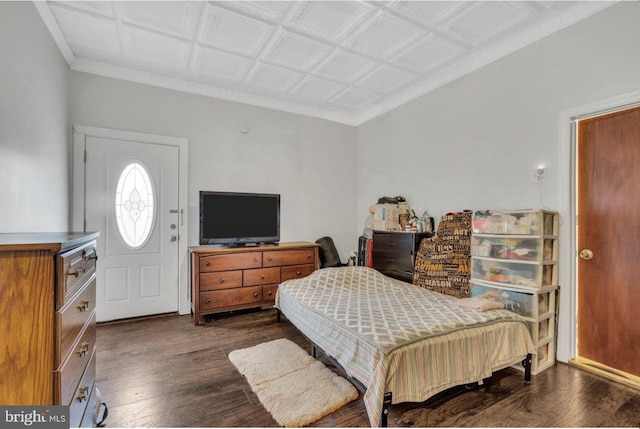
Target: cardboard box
(386, 216)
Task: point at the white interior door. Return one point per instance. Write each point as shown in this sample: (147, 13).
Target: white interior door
(138, 221)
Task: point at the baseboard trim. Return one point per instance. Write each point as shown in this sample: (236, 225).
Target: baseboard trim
(605, 371)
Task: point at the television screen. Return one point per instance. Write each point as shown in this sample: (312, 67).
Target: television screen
(239, 218)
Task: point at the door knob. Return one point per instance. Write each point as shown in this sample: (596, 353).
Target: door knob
(586, 254)
(173, 238)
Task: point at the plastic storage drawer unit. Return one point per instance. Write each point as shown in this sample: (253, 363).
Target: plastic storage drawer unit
(530, 305)
(518, 222)
(516, 248)
(524, 274)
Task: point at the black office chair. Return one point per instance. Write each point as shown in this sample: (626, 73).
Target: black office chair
(329, 256)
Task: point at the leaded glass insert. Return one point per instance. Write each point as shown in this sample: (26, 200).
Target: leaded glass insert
(135, 205)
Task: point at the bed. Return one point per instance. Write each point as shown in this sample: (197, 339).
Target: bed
(397, 341)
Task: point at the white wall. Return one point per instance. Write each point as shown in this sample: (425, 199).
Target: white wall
(33, 124)
(474, 143)
(310, 162)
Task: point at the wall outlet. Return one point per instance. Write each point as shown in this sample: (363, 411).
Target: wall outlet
(539, 175)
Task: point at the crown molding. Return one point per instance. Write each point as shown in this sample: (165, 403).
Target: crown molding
(53, 27)
(198, 88)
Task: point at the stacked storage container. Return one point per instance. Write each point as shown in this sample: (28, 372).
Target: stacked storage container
(514, 260)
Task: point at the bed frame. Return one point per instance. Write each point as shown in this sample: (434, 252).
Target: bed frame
(388, 396)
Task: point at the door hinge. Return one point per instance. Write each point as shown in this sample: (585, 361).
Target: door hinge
(85, 156)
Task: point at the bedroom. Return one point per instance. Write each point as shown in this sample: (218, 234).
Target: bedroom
(328, 173)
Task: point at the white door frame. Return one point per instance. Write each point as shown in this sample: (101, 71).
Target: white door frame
(567, 321)
(80, 134)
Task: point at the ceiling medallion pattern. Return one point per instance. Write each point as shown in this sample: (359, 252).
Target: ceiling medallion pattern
(346, 61)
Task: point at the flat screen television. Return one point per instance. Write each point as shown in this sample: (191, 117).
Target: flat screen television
(238, 218)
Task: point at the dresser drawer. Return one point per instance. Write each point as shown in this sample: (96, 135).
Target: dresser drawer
(269, 293)
(296, 271)
(90, 414)
(80, 401)
(72, 317)
(231, 261)
(392, 260)
(261, 276)
(220, 280)
(69, 373)
(397, 241)
(230, 297)
(289, 257)
(73, 269)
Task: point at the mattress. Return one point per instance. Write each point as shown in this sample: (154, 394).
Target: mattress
(395, 337)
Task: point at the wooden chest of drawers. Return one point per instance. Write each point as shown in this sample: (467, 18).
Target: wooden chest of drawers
(47, 303)
(228, 278)
(394, 253)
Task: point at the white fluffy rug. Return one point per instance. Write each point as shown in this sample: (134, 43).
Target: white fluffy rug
(294, 387)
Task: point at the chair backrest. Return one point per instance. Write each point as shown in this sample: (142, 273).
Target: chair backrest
(329, 256)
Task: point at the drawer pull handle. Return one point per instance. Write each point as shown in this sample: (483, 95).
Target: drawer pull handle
(93, 256)
(298, 273)
(82, 396)
(390, 260)
(256, 259)
(269, 259)
(84, 349)
(84, 306)
(207, 264)
(255, 294)
(308, 256)
(270, 292)
(208, 300)
(391, 243)
(76, 272)
(221, 281)
(262, 277)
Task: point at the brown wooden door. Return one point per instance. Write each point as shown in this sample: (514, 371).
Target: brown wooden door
(609, 226)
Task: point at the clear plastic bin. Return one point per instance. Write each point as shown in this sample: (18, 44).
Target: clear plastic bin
(541, 330)
(524, 274)
(527, 304)
(520, 222)
(516, 248)
(546, 355)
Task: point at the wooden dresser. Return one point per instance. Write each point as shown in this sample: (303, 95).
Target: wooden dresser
(393, 253)
(47, 304)
(233, 278)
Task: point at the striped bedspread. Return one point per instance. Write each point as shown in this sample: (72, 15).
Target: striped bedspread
(395, 337)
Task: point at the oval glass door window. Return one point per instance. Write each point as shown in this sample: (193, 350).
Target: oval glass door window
(135, 205)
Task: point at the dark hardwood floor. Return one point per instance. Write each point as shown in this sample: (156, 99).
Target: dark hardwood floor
(166, 372)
